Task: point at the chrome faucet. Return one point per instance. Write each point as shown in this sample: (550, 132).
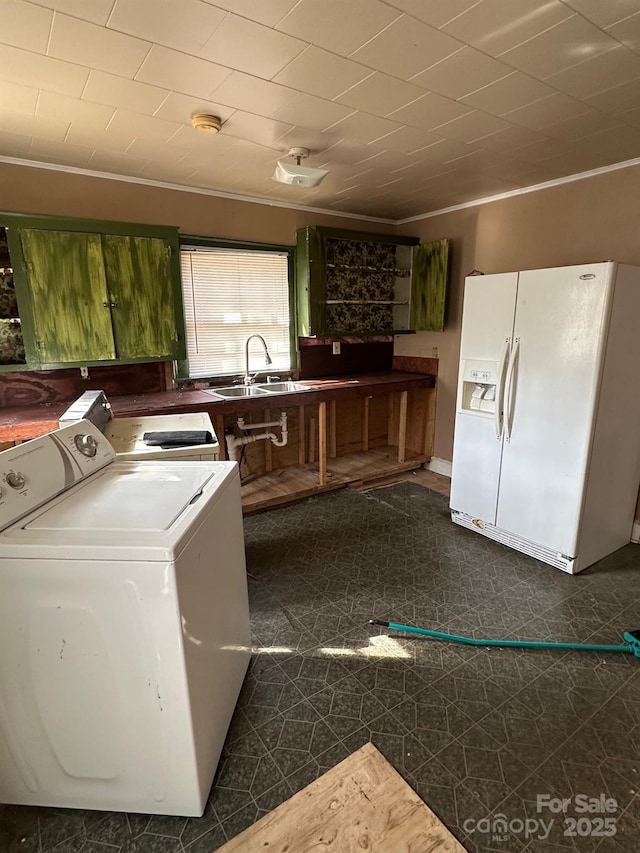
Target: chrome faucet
(248, 379)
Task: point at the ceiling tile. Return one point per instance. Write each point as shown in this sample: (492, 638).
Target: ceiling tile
(406, 140)
(51, 106)
(434, 12)
(566, 44)
(254, 48)
(405, 48)
(617, 99)
(314, 113)
(119, 164)
(603, 14)
(185, 25)
(97, 11)
(147, 127)
(547, 112)
(316, 141)
(462, 73)
(471, 126)
(543, 149)
(170, 173)
(109, 140)
(380, 94)
(346, 152)
(508, 139)
(321, 73)
(631, 117)
(430, 111)
(181, 108)
(187, 144)
(598, 74)
(443, 152)
(31, 69)
(583, 125)
(628, 32)
(365, 128)
(115, 91)
(507, 94)
(55, 128)
(262, 131)
(15, 144)
(253, 94)
(61, 153)
(615, 145)
(336, 25)
(15, 98)
(267, 12)
(25, 25)
(494, 26)
(189, 75)
(96, 47)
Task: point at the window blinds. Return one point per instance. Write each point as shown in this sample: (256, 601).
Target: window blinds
(230, 294)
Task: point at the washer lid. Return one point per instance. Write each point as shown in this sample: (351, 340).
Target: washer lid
(129, 510)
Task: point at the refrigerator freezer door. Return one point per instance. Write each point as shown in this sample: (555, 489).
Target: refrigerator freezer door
(487, 326)
(560, 331)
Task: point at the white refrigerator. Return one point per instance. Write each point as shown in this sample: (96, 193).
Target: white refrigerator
(546, 455)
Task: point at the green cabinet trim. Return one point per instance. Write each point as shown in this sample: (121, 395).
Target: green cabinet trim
(430, 274)
(68, 341)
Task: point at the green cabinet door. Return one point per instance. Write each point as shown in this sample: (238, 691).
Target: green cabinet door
(70, 304)
(429, 277)
(311, 282)
(140, 286)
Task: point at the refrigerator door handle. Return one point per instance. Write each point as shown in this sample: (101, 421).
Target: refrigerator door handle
(508, 421)
(500, 389)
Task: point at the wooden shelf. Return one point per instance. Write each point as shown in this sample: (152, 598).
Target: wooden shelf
(355, 268)
(366, 302)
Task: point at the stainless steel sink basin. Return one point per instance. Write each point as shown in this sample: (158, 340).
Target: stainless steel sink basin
(283, 387)
(235, 391)
(266, 389)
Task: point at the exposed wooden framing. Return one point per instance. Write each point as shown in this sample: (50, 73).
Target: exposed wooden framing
(430, 425)
(218, 425)
(365, 423)
(302, 437)
(322, 443)
(312, 440)
(268, 454)
(402, 426)
(332, 429)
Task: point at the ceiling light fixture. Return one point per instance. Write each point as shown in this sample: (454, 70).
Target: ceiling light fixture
(294, 173)
(206, 123)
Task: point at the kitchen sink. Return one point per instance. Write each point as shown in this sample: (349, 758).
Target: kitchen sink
(283, 387)
(264, 390)
(235, 391)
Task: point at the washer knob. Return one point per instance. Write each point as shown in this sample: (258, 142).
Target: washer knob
(86, 444)
(15, 479)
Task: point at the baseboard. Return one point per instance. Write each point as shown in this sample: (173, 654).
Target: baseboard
(635, 532)
(440, 466)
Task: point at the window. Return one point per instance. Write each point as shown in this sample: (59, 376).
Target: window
(229, 294)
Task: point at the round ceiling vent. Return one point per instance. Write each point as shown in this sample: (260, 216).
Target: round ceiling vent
(206, 123)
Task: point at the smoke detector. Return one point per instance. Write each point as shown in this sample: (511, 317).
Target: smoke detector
(294, 173)
(206, 123)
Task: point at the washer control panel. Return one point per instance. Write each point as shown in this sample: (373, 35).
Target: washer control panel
(36, 471)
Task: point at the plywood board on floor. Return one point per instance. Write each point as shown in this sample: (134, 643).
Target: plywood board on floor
(362, 804)
(421, 476)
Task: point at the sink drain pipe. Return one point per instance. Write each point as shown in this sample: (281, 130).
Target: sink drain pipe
(233, 442)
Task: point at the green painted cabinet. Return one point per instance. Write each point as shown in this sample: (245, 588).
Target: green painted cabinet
(92, 296)
(355, 283)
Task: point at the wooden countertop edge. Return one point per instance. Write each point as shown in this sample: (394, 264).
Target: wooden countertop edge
(23, 423)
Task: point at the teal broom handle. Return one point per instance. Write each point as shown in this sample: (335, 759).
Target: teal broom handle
(513, 644)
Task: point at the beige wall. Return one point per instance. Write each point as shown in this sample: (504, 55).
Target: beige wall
(596, 219)
(41, 191)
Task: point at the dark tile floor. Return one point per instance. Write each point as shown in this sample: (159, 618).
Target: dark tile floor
(478, 733)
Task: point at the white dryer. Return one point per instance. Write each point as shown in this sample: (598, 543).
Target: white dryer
(124, 625)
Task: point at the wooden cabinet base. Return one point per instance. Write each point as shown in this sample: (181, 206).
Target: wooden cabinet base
(301, 481)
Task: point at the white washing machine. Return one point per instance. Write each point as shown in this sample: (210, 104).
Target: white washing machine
(127, 435)
(124, 625)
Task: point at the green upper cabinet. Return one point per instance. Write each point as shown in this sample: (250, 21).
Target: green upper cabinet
(99, 293)
(68, 288)
(355, 283)
(138, 277)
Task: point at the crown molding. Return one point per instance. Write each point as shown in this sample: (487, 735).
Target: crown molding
(147, 182)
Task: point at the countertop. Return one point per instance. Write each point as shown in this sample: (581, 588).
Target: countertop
(25, 422)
